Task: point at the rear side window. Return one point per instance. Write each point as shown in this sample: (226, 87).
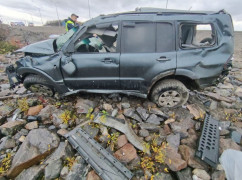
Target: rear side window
(139, 37)
(197, 35)
(165, 37)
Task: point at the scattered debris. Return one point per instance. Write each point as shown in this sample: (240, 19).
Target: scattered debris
(208, 149)
(124, 127)
(106, 166)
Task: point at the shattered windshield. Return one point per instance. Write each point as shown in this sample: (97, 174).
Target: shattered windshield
(60, 41)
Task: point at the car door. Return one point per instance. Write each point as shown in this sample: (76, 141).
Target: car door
(95, 68)
(147, 50)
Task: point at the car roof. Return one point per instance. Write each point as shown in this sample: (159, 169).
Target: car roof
(151, 13)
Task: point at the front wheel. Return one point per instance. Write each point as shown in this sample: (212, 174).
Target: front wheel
(38, 85)
(170, 93)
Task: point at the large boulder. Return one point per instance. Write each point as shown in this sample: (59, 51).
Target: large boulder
(37, 146)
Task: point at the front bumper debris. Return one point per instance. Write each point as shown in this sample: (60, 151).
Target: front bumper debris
(105, 165)
(208, 149)
(13, 78)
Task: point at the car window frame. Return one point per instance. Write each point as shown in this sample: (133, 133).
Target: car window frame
(99, 25)
(171, 22)
(197, 23)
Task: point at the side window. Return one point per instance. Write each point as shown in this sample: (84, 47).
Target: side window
(197, 35)
(138, 37)
(98, 40)
(165, 37)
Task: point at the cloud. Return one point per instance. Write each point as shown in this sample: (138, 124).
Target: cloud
(97, 7)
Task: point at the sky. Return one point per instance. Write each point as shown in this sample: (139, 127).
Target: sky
(33, 10)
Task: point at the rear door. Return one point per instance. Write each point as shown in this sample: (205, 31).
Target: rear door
(147, 50)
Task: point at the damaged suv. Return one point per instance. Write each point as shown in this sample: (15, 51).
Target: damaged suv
(148, 52)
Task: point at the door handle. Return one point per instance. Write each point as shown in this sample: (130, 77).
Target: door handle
(107, 60)
(163, 58)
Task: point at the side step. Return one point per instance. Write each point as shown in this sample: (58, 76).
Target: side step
(208, 149)
(105, 165)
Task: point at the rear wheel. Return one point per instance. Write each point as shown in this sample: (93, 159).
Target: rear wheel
(38, 85)
(170, 93)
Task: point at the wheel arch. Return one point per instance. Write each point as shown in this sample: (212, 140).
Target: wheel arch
(59, 86)
(187, 81)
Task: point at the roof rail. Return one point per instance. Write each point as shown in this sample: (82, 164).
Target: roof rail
(170, 11)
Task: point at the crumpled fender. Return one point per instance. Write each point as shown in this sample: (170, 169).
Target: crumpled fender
(58, 85)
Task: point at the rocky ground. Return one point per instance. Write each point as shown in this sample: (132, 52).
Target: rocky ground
(36, 149)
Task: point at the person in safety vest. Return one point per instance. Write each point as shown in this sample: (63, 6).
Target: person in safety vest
(71, 22)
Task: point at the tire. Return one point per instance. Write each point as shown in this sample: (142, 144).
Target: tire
(38, 85)
(169, 93)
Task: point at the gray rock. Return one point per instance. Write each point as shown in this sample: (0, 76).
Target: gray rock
(11, 128)
(63, 151)
(158, 112)
(52, 127)
(56, 118)
(5, 93)
(63, 126)
(83, 105)
(154, 119)
(224, 132)
(114, 112)
(218, 175)
(185, 174)
(198, 126)
(202, 174)
(79, 170)
(131, 114)
(32, 173)
(224, 125)
(7, 143)
(5, 110)
(173, 140)
(213, 105)
(22, 132)
(162, 176)
(37, 146)
(4, 86)
(142, 112)
(149, 126)
(64, 172)
(182, 126)
(92, 131)
(53, 169)
(125, 105)
(226, 104)
(21, 90)
(46, 112)
(235, 136)
(144, 133)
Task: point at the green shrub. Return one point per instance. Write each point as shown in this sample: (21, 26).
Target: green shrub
(6, 47)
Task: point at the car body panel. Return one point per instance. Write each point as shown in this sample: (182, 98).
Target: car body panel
(131, 73)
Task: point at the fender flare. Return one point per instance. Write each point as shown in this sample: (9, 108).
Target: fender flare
(58, 85)
(159, 77)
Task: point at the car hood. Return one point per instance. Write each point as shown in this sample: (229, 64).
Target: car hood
(43, 47)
